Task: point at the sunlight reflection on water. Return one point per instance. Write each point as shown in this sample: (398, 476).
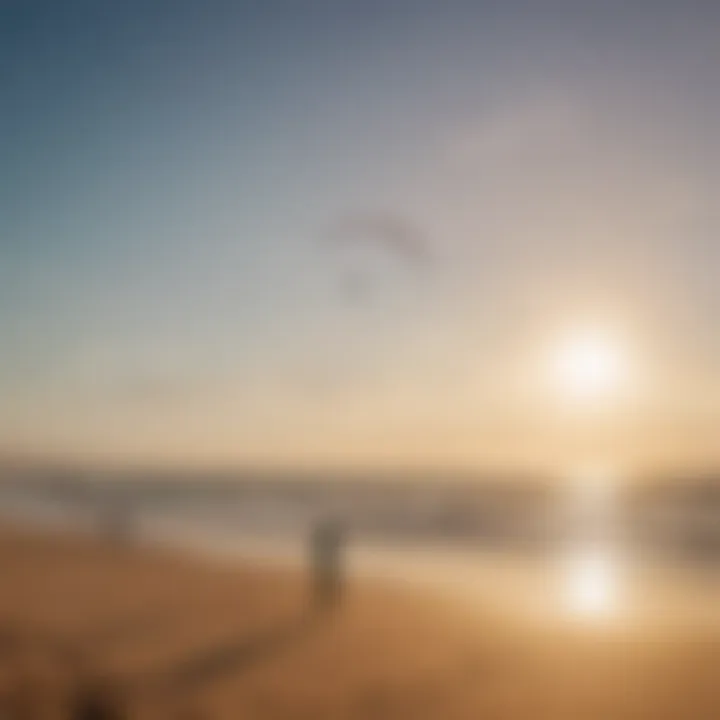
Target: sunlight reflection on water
(591, 584)
(591, 581)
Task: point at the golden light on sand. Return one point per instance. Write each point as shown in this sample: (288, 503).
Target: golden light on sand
(590, 367)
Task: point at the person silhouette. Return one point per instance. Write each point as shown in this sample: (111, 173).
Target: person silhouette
(327, 569)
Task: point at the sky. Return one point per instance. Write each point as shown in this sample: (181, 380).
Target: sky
(349, 233)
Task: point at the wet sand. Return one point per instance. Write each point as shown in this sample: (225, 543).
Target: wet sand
(160, 634)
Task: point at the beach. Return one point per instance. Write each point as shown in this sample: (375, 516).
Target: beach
(160, 633)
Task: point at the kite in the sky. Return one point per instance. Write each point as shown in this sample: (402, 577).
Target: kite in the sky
(376, 248)
(385, 231)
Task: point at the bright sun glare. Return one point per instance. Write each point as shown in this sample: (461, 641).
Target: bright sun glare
(590, 367)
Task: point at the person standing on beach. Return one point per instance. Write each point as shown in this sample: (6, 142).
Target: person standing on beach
(326, 549)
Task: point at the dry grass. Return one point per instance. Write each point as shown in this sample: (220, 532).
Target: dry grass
(161, 636)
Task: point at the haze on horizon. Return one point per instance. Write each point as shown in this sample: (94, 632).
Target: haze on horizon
(360, 233)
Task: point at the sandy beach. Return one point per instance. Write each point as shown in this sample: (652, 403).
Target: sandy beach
(161, 634)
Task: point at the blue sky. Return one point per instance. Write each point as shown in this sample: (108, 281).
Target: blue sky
(171, 174)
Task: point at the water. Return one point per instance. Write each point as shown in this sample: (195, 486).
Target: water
(586, 569)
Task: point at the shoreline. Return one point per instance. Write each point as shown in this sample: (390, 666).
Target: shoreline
(662, 594)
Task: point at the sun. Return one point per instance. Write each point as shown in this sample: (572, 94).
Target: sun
(590, 367)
